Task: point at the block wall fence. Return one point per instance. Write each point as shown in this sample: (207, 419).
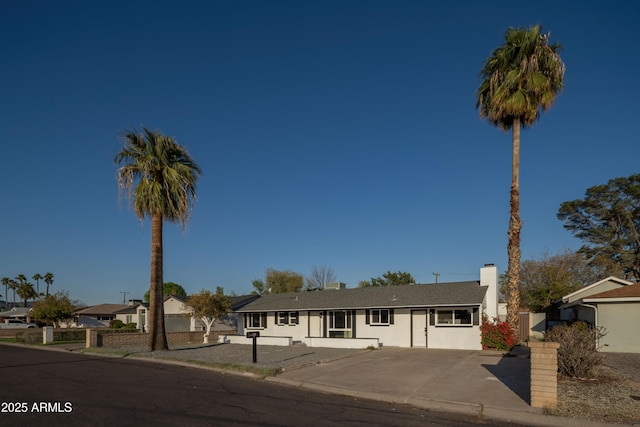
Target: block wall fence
(97, 338)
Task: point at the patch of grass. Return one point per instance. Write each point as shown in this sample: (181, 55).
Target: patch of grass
(8, 339)
(67, 342)
(59, 342)
(104, 351)
(227, 366)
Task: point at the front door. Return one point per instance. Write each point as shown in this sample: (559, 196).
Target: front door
(419, 328)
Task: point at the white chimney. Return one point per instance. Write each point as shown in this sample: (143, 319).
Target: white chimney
(489, 278)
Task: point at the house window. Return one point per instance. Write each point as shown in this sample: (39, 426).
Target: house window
(453, 317)
(129, 318)
(282, 318)
(286, 317)
(294, 318)
(380, 317)
(339, 324)
(255, 320)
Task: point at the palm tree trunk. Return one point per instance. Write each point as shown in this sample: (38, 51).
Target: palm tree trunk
(157, 337)
(515, 224)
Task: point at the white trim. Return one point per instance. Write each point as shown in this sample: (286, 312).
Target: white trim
(619, 299)
(453, 317)
(608, 279)
(379, 322)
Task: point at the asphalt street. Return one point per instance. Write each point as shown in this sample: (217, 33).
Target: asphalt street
(45, 388)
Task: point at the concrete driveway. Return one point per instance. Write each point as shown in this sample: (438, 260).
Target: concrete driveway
(438, 379)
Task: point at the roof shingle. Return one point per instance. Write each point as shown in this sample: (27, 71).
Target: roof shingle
(444, 294)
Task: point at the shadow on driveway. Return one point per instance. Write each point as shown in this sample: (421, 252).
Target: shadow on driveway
(513, 370)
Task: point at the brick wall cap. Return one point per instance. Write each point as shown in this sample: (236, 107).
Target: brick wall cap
(543, 344)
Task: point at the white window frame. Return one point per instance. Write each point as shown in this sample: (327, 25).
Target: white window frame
(250, 320)
(337, 332)
(456, 317)
(377, 317)
(290, 318)
(294, 318)
(282, 318)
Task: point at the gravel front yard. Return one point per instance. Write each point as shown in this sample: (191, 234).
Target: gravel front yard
(613, 397)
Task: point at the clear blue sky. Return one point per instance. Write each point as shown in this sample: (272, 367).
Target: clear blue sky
(338, 133)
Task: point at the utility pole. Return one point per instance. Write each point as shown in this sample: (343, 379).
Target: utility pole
(436, 274)
(124, 297)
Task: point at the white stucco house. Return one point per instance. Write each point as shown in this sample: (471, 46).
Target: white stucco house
(177, 315)
(613, 304)
(443, 315)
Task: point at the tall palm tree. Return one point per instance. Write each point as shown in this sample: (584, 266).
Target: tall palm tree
(48, 279)
(521, 79)
(21, 287)
(37, 277)
(161, 178)
(13, 285)
(5, 283)
(26, 292)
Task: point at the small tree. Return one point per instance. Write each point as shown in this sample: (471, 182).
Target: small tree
(169, 288)
(54, 308)
(209, 307)
(319, 277)
(389, 279)
(277, 281)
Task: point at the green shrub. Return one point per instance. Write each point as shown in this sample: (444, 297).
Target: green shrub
(132, 326)
(578, 355)
(116, 324)
(29, 337)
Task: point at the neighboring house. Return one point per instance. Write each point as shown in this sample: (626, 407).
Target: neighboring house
(178, 315)
(23, 313)
(444, 315)
(231, 319)
(136, 312)
(613, 304)
(97, 316)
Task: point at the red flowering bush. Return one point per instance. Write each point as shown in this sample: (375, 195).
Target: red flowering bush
(496, 334)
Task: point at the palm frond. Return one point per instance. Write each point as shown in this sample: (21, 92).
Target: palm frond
(520, 79)
(157, 175)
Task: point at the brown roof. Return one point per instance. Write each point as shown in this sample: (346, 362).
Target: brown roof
(629, 291)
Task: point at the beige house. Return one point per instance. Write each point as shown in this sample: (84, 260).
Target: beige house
(177, 316)
(613, 304)
(97, 316)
